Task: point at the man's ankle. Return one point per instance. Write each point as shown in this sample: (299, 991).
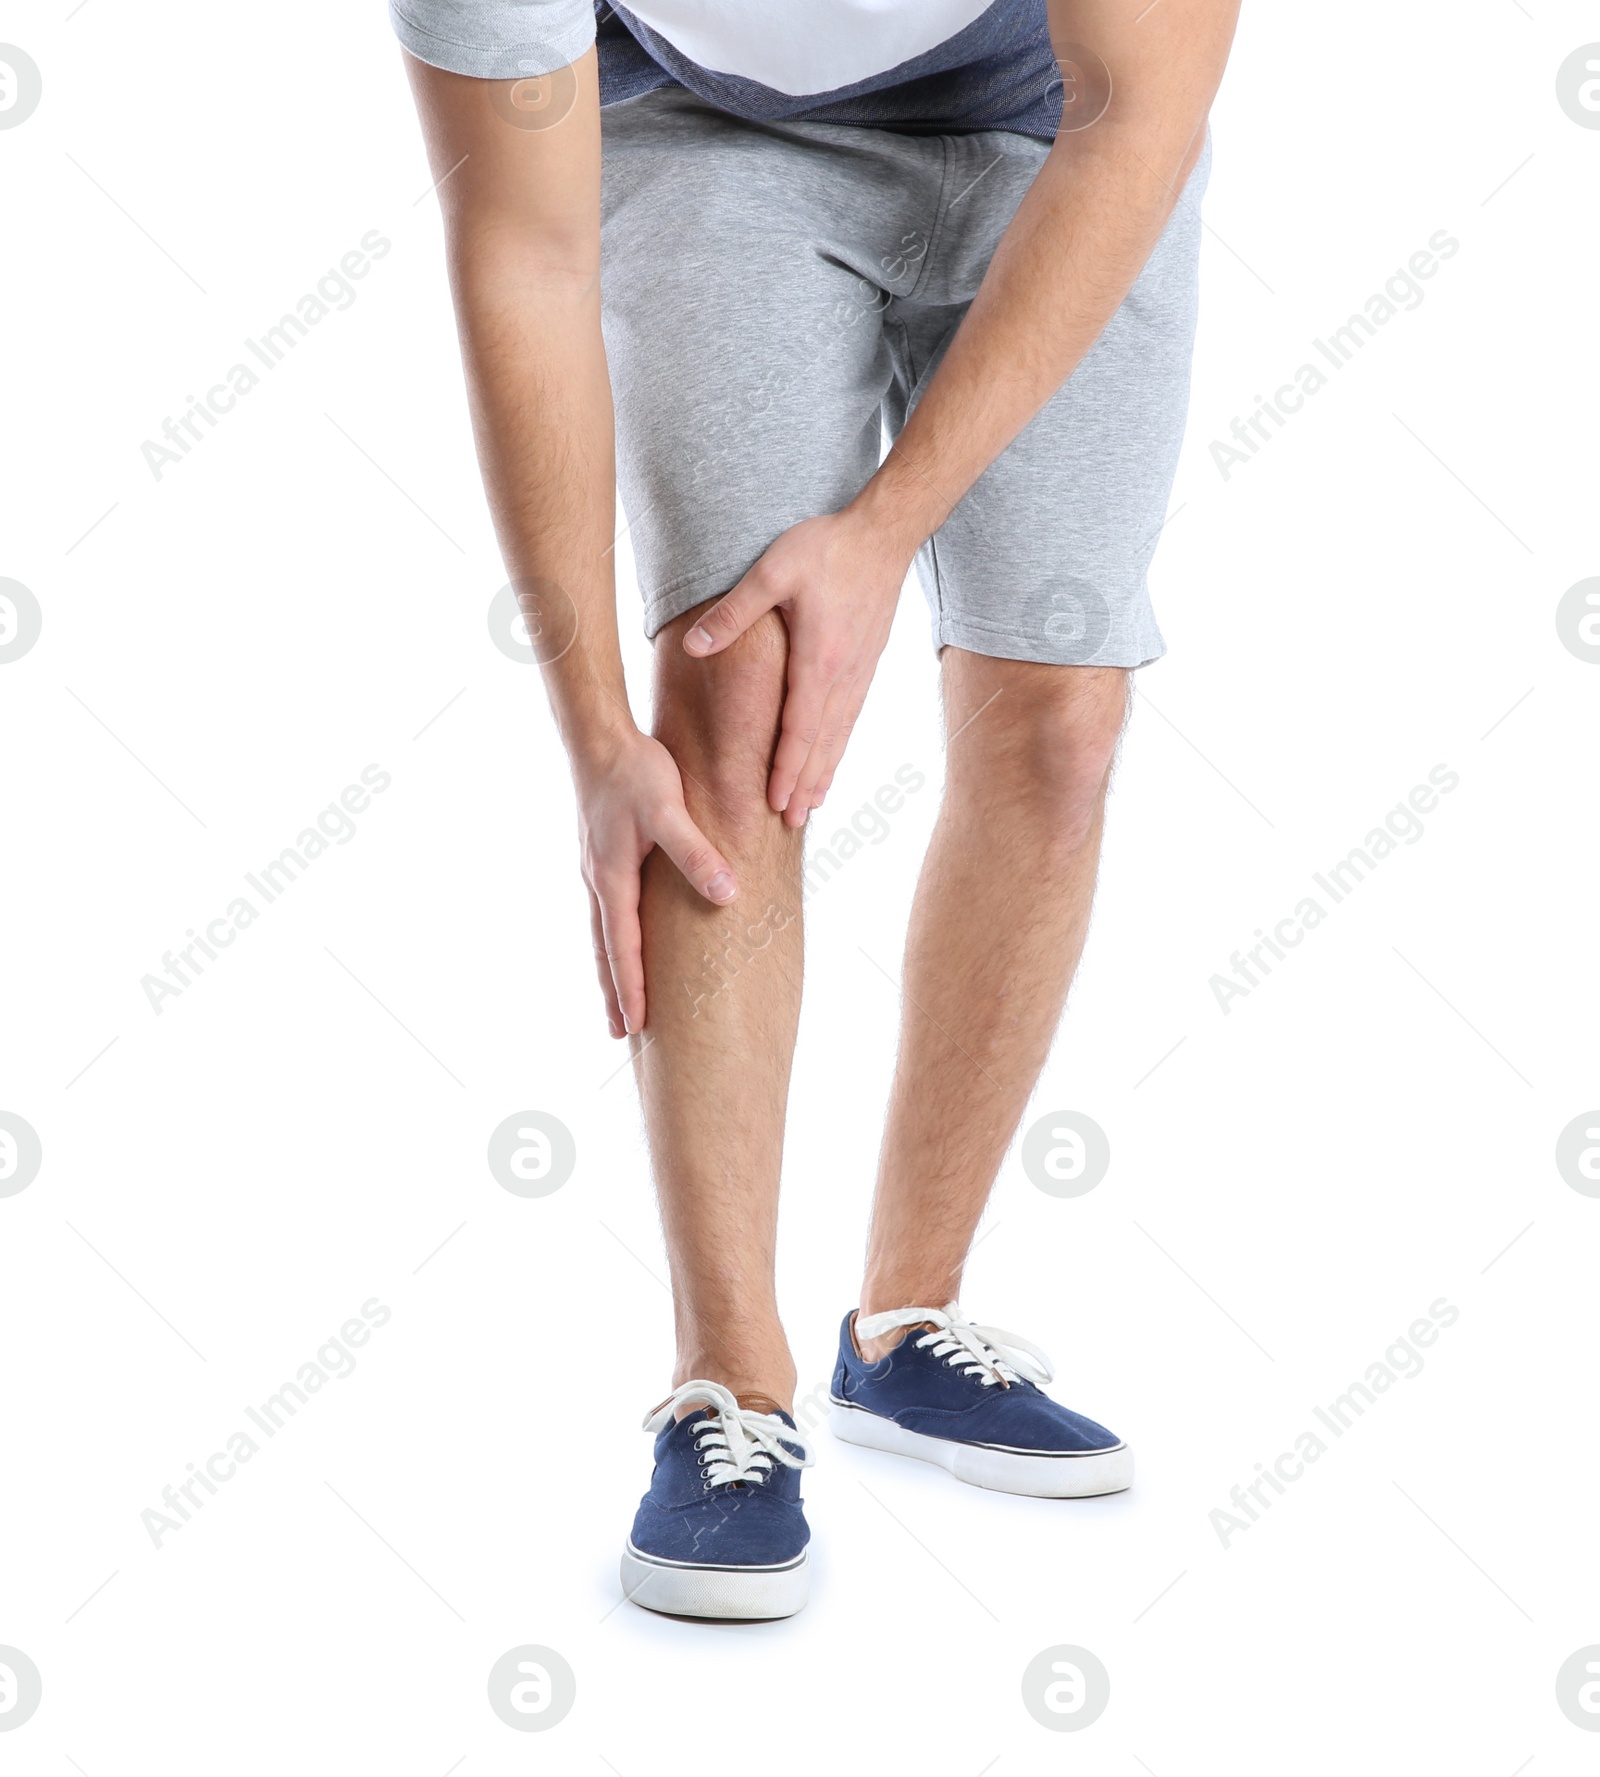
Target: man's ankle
(757, 1391)
(877, 1299)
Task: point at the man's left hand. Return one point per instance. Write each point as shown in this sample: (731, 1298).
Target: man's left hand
(836, 580)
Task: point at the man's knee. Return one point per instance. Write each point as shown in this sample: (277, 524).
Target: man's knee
(1046, 742)
(719, 719)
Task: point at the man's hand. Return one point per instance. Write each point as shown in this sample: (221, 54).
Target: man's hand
(630, 801)
(836, 580)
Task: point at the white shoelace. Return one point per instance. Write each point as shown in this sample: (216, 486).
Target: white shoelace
(990, 1353)
(736, 1444)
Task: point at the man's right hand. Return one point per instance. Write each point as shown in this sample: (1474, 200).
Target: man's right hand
(630, 800)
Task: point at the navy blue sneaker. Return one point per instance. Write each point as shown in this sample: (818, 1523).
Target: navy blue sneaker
(965, 1397)
(722, 1531)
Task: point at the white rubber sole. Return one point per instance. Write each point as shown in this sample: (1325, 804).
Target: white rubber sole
(981, 1465)
(682, 1589)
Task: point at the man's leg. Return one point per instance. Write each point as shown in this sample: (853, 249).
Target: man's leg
(722, 1004)
(998, 924)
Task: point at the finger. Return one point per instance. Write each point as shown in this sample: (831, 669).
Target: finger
(825, 782)
(602, 964)
(730, 617)
(832, 751)
(619, 923)
(859, 686)
(803, 708)
(707, 871)
(832, 733)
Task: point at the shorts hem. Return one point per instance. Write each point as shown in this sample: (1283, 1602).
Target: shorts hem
(1004, 644)
(689, 590)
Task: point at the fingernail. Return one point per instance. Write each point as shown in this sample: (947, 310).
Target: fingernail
(698, 640)
(720, 887)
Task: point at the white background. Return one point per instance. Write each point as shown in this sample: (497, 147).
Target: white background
(1370, 1130)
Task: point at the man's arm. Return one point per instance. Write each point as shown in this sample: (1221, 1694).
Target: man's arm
(522, 223)
(1071, 253)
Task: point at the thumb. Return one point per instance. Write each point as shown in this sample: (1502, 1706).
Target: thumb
(729, 618)
(706, 870)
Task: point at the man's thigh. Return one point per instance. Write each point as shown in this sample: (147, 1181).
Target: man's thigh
(1046, 557)
(744, 274)
(1021, 715)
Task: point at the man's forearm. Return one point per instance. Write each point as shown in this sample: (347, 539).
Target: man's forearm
(541, 409)
(521, 211)
(1072, 252)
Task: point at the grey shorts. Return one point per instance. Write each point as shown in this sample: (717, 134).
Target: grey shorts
(776, 297)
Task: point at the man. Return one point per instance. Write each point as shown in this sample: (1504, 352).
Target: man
(974, 226)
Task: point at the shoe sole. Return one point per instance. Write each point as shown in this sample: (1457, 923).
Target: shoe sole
(1070, 1475)
(683, 1589)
